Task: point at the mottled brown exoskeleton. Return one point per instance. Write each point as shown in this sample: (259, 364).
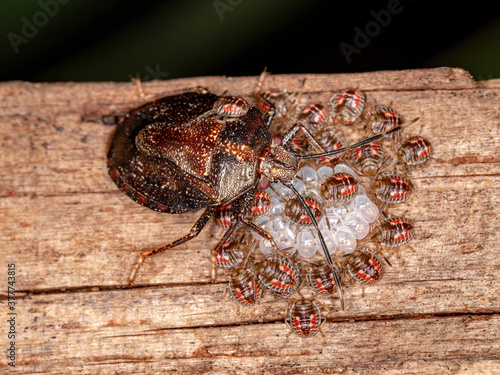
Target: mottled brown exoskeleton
(198, 150)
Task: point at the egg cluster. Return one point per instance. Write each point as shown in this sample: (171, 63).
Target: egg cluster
(342, 226)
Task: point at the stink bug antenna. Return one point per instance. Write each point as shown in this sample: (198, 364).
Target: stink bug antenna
(252, 247)
(344, 149)
(381, 168)
(411, 122)
(321, 239)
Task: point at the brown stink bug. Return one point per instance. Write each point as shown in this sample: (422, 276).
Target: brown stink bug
(279, 273)
(348, 106)
(304, 317)
(364, 266)
(414, 151)
(198, 150)
(321, 278)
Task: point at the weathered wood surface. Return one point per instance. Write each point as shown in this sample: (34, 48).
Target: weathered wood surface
(74, 237)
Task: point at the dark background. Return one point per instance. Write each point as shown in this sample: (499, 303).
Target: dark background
(76, 40)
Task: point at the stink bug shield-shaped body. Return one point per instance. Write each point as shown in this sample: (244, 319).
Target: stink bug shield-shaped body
(190, 151)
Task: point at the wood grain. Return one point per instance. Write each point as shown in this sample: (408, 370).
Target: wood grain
(74, 237)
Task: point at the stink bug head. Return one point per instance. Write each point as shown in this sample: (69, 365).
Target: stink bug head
(278, 165)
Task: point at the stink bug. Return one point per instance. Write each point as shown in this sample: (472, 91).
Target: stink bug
(383, 120)
(295, 211)
(222, 215)
(339, 188)
(198, 150)
(304, 317)
(312, 116)
(392, 187)
(231, 253)
(364, 266)
(394, 231)
(261, 203)
(244, 286)
(321, 278)
(279, 273)
(414, 151)
(368, 158)
(348, 106)
(329, 141)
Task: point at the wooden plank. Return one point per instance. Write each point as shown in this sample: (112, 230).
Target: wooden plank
(158, 330)
(74, 238)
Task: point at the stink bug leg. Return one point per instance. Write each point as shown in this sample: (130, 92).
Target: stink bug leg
(195, 230)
